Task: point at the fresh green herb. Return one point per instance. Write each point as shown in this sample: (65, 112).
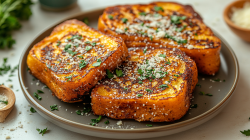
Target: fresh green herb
(148, 90)
(110, 16)
(124, 20)
(106, 122)
(39, 91)
(86, 110)
(246, 132)
(71, 52)
(140, 71)
(142, 14)
(151, 38)
(119, 73)
(95, 121)
(140, 82)
(217, 80)
(126, 29)
(194, 106)
(202, 93)
(68, 77)
(88, 48)
(149, 125)
(162, 55)
(158, 8)
(86, 20)
(224, 80)
(58, 43)
(9, 80)
(5, 68)
(46, 87)
(109, 74)
(176, 75)
(139, 95)
(42, 131)
(82, 64)
(79, 56)
(93, 44)
(37, 96)
(164, 86)
(67, 46)
(102, 46)
(125, 88)
(11, 11)
(180, 29)
(195, 34)
(11, 75)
(198, 85)
(87, 42)
(98, 62)
(5, 102)
(208, 94)
(177, 19)
(145, 50)
(53, 107)
(78, 112)
(168, 62)
(142, 24)
(32, 110)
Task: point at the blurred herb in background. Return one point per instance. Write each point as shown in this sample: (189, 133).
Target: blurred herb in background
(11, 11)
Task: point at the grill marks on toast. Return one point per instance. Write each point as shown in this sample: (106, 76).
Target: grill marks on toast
(74, 58)
(155, 97)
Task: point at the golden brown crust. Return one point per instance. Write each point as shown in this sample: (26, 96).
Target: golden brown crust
(59, 67)
(126, 98)
(205, 46)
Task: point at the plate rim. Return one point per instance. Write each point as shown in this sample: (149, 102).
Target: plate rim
(149, 129)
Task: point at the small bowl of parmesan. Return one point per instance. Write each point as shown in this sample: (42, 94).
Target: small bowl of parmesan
(7, 102)
(237, 17)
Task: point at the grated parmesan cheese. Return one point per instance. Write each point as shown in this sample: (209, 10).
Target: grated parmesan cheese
(241, 16)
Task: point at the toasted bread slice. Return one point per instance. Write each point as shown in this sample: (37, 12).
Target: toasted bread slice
(164, 24)
(74, 58)
(151, 85)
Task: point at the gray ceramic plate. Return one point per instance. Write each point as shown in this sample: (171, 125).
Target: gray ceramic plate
(66, 117)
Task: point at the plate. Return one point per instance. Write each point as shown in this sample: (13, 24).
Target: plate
(221, 86)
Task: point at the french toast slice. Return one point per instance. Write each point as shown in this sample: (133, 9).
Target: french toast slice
(74, 58)
(151, 85)
(164, 24)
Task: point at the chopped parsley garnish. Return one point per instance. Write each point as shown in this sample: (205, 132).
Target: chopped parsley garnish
(149, 125)
(53, 107)
(42, 131)
(68, 77)
(217, 80)
(158, 8)
(140, 82)
(119, 73)
(39, 91)
(46, 87)
(176, 75)
(177, 19)
(11, 75)
(142, 24)
(164, 86)
(78, 112)
(79, 56)
(202, 93)
(194, 106)
(93, 44)
(162, 55)
(67, 47)
(195, 34)
(142, 14)
(5, 102)
(32, 110)
(224, 80)
(82, 64)
(58, 43)
(168, 62)
(95, 121)
(140, 71)
(208, 94)
(145, 50)
(75, 37)
(98, 62)
(106, 122)
(180, 29)
(102, 46)
(198, 85)
(139, 95)
(110, 16)
(124, 20)
(246, 132)
(148, 90)
(5, 68)
(126, 29)
(88, 48)
(37, 96)
(151, 38)
(86, 110)
(125, 88)
(109, 74)
(86, 20)
(71, 52)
